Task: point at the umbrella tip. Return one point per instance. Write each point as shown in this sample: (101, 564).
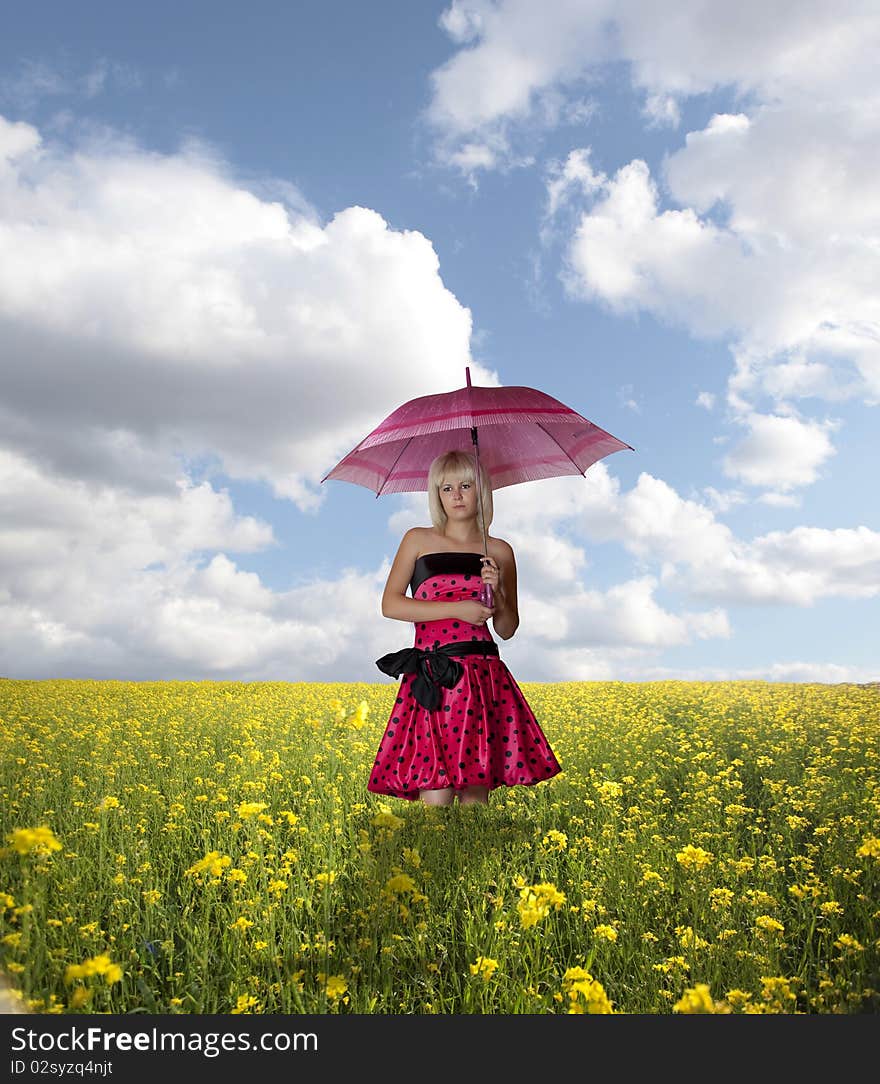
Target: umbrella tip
(467, 374)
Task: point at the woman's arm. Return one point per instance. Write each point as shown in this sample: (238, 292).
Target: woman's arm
(505, 620)
(396, 604)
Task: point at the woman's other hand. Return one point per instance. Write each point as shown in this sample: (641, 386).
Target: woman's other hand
(474, 613)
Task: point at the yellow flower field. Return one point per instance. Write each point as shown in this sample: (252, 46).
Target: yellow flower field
(210, 847)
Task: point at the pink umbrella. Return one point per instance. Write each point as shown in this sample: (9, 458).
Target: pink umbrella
(518, 434)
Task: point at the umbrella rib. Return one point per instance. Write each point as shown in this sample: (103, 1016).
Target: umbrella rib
(559, 446)
(393, 465)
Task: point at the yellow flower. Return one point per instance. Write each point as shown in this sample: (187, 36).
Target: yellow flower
(690, 940)
(107, 802)
(870, 848)
(698, 999)
(97, 965)
(213, 863)
(694, 857)
(485, 967)
(847, 943)
(244, 1004)
(402, 882)
(586, 995)
(39, 841)
(535, 902)
(386, 819)
(766, 924)
(555, 840)
(720, 898)
(246, 810)
(672, 963)
(609, 790)
(607, 933)
(359, 718)
(80, 996)
(738, 998)
(777, 990)
(336, 986)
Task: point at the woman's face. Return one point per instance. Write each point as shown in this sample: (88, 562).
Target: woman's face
(459, 498)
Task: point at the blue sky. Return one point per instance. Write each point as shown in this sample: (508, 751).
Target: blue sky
(234, 239)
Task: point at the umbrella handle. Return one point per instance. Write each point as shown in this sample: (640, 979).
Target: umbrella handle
(487, 595)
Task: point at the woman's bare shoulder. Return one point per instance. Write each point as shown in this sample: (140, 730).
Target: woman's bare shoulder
(500, 549)
(418, 532)
(415, 538)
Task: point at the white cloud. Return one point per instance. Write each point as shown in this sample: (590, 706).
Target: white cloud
(461, 21)
(763, 226)
(575, 175)
(505, 76)
(723, 500)
(779, 452)
(795, 671)
(697, 555)
(471, 157)
(161, 320)
(172, 313)
(517, 52)
(99, 582)
(803, 316)
(628, 254)
(35, 80)
(662, 110)
(102, 580)
(579, 633)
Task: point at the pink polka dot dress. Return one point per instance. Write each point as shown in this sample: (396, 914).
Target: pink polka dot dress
(480, 731)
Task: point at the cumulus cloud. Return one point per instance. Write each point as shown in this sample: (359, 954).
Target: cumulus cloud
(761, 227)
(779, 452)
(505, 74)
(161, 320)
(461, 22)
(514, 54)
(796, 301)
(697, 555)
(785, 672)
(578, 630)
(103, 582)
(165, 310)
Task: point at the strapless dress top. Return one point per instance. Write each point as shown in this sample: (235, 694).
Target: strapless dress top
(443, 563)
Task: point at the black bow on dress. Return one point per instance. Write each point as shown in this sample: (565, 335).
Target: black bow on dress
(435, 667)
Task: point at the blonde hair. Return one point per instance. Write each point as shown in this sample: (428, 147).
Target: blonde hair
(456, 465)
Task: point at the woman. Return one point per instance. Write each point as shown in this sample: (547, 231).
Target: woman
(460, 724)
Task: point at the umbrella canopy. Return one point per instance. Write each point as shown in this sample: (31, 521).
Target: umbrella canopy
(519, 434)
